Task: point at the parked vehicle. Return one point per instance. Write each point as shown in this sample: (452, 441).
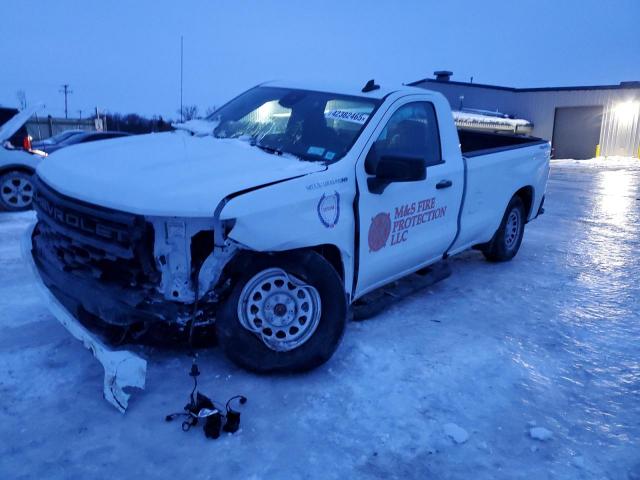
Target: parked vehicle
(274, 215)
(47, 144)
(17, 163)
(17, 139)
(83, 137)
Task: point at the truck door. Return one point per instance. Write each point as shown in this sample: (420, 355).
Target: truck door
(409, 195)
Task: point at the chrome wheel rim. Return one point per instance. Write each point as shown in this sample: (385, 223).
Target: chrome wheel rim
(280, 309)
(512, 229)
(16, 191)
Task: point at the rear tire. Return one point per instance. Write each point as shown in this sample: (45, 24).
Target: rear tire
(294, 325)
(16, 191)
(506, 242)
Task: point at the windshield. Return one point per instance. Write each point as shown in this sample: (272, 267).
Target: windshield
(310, 125)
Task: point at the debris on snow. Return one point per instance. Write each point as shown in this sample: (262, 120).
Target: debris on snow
(540, 433)
(456, 433)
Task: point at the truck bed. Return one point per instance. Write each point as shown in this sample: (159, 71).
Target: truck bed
(497, 165)
(474, 143)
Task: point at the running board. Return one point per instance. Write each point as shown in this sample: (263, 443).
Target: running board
(377, 301)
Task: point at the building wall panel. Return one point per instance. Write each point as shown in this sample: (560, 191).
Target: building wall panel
(620, 133)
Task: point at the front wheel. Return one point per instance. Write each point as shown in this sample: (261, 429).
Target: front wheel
(286, 313)
(16, 191)
(507, 239)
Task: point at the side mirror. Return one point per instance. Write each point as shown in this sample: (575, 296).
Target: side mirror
(396, 168)
(389, 168)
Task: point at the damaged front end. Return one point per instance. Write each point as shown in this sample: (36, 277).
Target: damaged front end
(111, 271)
(122, 369)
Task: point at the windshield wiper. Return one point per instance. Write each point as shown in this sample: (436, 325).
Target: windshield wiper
(266, 148)
(277, 151)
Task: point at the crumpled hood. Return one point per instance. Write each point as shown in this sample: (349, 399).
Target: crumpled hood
(165, 174)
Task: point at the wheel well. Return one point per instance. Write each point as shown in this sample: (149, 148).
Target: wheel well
(331, 254)
(242, 259)
(526, 195)
(16, 168)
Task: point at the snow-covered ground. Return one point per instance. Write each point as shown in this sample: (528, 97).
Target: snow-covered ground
(529, 369)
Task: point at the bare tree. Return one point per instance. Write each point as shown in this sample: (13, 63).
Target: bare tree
(210, 110)
(22, 99)
(189, 112)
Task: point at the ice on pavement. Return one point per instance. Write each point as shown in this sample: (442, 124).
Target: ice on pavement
(456, 433)
(553, 336)
(598, 162)
(540, 433)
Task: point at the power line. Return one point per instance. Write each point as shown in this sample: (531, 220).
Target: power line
(181, 70)
(67, 91)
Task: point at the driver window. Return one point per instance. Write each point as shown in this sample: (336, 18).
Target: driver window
(412, 131)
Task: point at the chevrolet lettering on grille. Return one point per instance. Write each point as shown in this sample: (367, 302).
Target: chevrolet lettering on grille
(80, 222)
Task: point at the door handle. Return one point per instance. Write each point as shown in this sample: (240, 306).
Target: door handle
(443, 184)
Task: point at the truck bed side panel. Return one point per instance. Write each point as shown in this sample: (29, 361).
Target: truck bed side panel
(492, 179)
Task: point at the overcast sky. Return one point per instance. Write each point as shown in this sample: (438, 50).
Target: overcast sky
(124, 56)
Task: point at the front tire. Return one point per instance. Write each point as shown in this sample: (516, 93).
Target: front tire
(16, 191)
(285, 313)
(508, 238)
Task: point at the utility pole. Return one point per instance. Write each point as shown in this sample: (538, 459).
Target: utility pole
(181, 77)
(66, 90)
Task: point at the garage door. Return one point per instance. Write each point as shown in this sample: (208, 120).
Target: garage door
(576, 132)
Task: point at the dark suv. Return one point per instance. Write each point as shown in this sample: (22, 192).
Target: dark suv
(83, 137)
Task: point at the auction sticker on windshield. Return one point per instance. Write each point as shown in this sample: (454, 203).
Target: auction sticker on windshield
(315, 151)
(347, 116)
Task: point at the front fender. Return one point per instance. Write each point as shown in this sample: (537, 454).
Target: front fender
(305, 212)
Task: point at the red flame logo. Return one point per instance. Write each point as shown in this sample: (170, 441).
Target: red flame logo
(379, 231)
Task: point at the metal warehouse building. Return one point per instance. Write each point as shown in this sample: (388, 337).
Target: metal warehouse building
(581, 122)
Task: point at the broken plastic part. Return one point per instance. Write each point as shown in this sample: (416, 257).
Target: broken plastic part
(122, 369)
(213, 265)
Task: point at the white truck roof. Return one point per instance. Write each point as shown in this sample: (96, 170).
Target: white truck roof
(344, 88)
(473, 121)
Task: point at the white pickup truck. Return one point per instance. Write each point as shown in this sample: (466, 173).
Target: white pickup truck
(275, 214)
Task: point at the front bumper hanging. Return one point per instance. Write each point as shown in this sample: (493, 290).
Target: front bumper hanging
(122, 368)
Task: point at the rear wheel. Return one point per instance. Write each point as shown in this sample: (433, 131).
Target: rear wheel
(285, 313)
(16, 191)
(507, 239)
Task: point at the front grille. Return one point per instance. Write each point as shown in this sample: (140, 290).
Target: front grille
(90, 241)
